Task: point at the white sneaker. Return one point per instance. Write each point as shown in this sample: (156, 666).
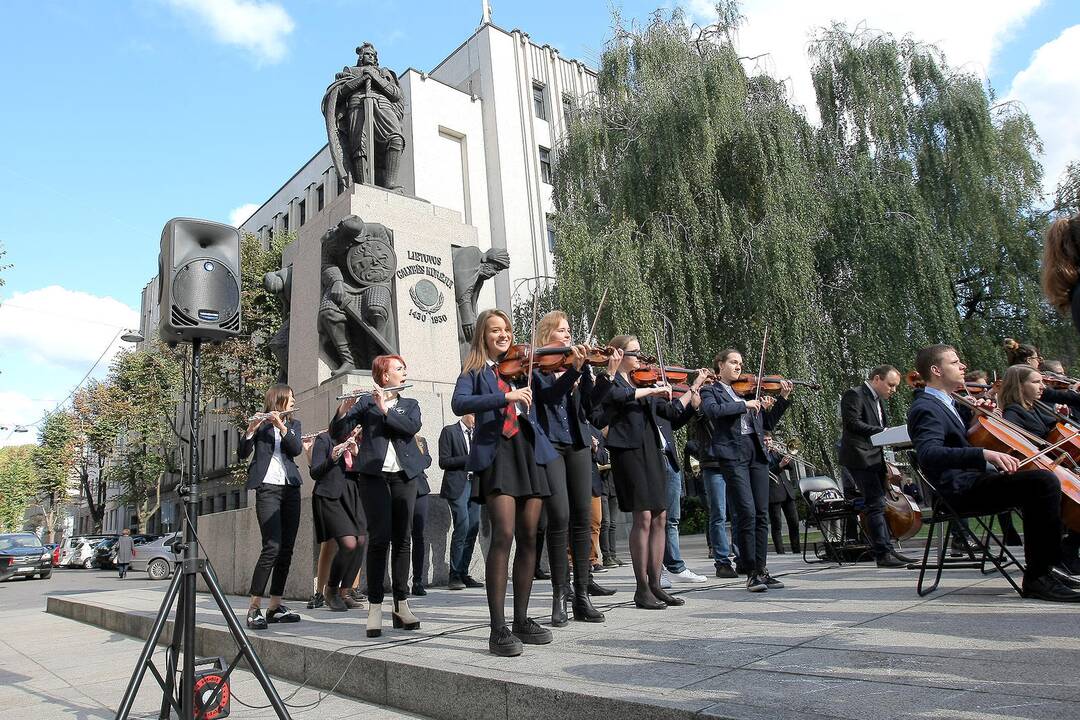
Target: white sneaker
(665, 581)
(688, 575)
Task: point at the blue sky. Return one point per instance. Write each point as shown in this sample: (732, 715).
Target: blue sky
(120, 115)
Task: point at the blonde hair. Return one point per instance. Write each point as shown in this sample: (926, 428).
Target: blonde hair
(549, 324)
(1009, 393)
(478, 353)
(1061, 261)
(619, 342)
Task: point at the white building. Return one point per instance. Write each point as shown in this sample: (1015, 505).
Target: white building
(480, 132)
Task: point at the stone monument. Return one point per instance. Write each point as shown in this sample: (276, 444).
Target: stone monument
(279, 282)
(472, 268)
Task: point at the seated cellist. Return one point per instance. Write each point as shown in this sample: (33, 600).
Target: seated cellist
(960, 473)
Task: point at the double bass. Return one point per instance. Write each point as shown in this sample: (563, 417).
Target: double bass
(902, 514)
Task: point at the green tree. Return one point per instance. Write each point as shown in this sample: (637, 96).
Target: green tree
(54, 463)
(98, 416)
(18, 484)
(1067, 195)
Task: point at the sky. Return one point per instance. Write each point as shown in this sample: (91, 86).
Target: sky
(118, 116)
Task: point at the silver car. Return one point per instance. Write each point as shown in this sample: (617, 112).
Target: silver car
(157, 557)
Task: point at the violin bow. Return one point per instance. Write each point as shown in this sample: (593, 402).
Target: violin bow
(659, 357)
(532, 346)
(761, 364)
(591, 340)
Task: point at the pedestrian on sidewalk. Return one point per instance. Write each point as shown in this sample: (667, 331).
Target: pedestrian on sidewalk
(125, 552)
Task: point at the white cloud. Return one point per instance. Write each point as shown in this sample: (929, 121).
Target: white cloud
(239, 216)
(1049, 89)
(261, 28)
(782, 29)
(63, 327)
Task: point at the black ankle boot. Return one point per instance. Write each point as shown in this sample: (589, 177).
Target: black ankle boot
(558, 607)
(583, 608)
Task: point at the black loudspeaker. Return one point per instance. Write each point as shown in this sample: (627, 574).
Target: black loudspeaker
(198, 281)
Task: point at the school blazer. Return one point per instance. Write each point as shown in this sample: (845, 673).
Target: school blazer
(398, 426)
(554, 396)
(477, 392)
(725, 427)
(628, 419)
(262, 443)
(942, 449)
(328, 474)
(453, 457)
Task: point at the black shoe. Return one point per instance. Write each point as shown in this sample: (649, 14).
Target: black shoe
(584, 610)
(665, 597)
(890, 561)
(599, 590)
(647, 601)
(503, 643)
(558, 607)
(756, 583)
(529, 632)
(771, 582)
(1051, 589)
(255, 619)
(726, 571)
(609, 562)
(1066, 578)
(618, 561)
(1012, 539)
(902, 557)
(541, 574)
(598, 568)
(334, 601)
(282, 614)
(471, 582)
(316, 601)
(418, 590)
(455, 583)
(1072, 565)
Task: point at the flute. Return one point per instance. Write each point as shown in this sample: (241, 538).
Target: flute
(267, 415)
(361, 393)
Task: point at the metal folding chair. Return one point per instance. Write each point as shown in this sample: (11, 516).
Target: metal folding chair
(831, 513)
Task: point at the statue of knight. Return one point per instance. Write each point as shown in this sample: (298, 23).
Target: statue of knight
(279, 282)
(357, 92)
(356, 315)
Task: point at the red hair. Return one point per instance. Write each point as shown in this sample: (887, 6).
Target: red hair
(381, 365)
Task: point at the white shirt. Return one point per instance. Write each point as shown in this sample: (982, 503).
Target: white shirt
(275, 471)
(390, 462)
(466, 432)
(744, 419)
(877, 403)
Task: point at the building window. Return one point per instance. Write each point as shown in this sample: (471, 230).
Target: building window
(225, 442)
(221, 500)
(285, 222)
(236, 500)
(551, 233)
(567, 108)
(340, 186)
(303, 212)
(539, 101)
(545, 165)
(320, 198)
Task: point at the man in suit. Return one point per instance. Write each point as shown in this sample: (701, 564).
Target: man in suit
(960, 473)
(455, 442)
(863, 414)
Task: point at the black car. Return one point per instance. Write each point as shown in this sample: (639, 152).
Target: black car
(23, 555)
(105, 551)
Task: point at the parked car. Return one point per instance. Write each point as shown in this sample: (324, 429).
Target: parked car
(23, 555)
(105, 552)
(157, 557)
(78, 550)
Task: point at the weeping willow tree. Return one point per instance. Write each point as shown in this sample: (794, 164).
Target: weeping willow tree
(710, 208)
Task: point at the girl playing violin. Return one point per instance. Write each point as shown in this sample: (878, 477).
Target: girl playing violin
(508, 448)
(737, 444)
(563, 405)
(634, 442)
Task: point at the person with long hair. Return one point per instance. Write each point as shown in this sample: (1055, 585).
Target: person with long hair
(563, 404)
(1061, 266)
(637, 447)
(275, 479)
(737, 443)
(388, 462)
(508, 451)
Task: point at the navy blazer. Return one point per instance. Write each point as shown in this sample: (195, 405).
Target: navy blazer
(859, 415)
(399, 425)
(628, 419)
(453, 457)
(1034, 420)
(942, 449)
(422, 487)
(328, 474)
(477, 392)
(668, 428)
(558, 399)
(262, 442)
(725, 426)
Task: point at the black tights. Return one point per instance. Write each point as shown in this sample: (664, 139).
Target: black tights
(647, 537)
(347, 561)
(512, 519)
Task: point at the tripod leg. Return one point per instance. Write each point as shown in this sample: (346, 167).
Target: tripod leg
(172, 653)
(148, 649)
(245, 647)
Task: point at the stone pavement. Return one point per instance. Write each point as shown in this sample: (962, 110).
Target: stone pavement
(849, 642)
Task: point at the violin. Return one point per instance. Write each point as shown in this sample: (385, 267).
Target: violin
(746, 384)
(975, 389)
(514, 364)
(649, 374)
(902, 513)
(547, 359)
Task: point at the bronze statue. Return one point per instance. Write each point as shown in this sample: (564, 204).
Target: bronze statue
(472, 268)
(356, 315)
(362, 107)
(279, 282)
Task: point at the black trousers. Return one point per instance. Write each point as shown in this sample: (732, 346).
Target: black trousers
(1038, 495)
(419, 546)
(277, 508)
(791, 514)
(388, 500)
(748, 499)
(569, 509)
(871, 483)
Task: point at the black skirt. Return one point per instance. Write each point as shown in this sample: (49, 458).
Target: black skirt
(338, 517)
(513, 472)
(640, 480)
